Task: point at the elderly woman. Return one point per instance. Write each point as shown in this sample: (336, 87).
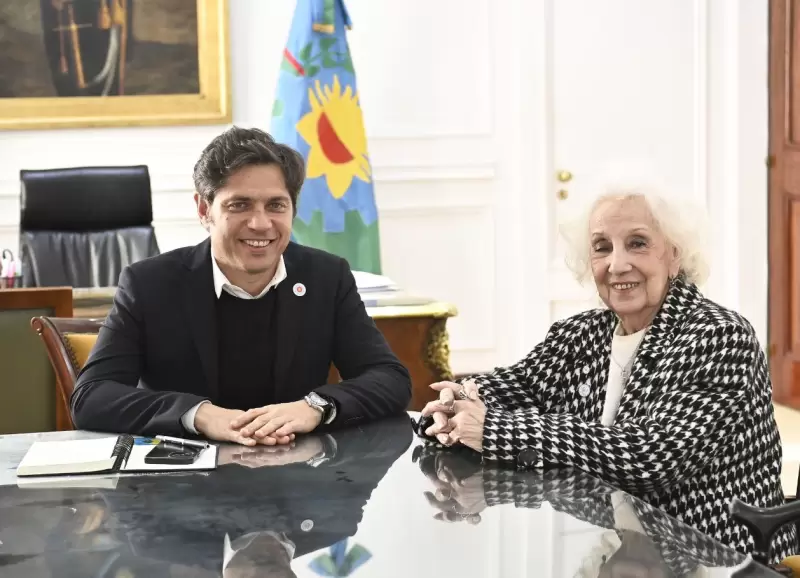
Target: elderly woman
(662, 393)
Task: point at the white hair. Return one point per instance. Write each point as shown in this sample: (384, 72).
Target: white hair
(682, 223)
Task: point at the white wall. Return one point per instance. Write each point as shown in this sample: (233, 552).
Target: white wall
(682, 85)
(471, 106)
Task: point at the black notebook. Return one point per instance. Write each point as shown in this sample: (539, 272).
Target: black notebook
(103, 455)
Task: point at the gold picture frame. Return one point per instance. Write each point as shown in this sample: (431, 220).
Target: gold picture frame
(211, 104)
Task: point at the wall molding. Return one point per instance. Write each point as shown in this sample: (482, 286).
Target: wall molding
(473, 172)
(462, 208)
(397, 211)
(400, 210)
(403, 211)
(422, 133)
(173, 184)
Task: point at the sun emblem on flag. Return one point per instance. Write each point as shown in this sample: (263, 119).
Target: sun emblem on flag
(334, 131)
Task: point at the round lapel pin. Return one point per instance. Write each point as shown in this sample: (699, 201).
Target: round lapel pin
(583, 390)
(299, 289)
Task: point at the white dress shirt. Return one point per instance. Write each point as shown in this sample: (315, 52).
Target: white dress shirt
(221, 284)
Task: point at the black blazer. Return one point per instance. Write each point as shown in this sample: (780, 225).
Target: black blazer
(156, 354)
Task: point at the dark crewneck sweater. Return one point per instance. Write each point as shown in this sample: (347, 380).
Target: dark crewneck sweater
(246, 341)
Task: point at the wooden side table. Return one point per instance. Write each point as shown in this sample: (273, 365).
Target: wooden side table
(418, 336)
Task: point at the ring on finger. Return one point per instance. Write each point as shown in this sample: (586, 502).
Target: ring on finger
(462, 393)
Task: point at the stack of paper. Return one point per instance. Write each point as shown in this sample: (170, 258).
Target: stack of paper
(371, 283)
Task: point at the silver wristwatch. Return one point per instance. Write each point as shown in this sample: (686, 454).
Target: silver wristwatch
(325, 407)
(329, 450)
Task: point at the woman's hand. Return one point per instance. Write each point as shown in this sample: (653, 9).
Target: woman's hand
(442, 408)
(450, 391)
(457, 499)
(467, 424)
(468, 414)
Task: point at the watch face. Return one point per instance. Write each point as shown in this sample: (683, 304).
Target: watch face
(316, 399)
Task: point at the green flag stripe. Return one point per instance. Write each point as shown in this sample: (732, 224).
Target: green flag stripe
(358, 243)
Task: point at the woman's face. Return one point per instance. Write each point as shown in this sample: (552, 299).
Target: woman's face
(631, 260)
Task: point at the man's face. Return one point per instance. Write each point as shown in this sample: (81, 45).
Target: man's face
(250, 223)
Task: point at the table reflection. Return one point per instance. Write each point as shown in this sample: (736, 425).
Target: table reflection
(641, 541)
(371, 501)
(260, 509)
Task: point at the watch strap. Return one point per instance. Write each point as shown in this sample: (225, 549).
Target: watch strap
(328, 410)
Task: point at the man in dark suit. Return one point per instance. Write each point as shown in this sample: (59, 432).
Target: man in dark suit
(234, 338)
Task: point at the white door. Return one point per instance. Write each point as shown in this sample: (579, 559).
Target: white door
(626, 97)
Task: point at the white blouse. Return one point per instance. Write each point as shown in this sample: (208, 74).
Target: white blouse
(623, 351)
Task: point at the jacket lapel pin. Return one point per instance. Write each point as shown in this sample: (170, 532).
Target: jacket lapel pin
(299, 289)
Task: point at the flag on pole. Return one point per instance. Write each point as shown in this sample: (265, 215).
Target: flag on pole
(317, 112)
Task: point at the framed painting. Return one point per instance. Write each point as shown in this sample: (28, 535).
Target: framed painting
(89, 63)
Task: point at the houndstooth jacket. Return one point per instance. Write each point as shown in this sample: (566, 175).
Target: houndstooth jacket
(695, 425)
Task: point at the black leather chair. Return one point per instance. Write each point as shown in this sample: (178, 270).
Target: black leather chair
(80, 227)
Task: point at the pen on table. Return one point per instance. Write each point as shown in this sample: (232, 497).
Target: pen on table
(182, 442)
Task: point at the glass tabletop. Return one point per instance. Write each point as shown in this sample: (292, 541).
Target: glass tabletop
(371, 501)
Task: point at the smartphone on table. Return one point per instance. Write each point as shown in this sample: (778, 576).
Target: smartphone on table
(172, 454)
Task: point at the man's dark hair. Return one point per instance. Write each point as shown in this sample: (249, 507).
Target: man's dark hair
(240, 147)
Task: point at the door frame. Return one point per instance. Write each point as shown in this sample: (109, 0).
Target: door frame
(779, 307)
